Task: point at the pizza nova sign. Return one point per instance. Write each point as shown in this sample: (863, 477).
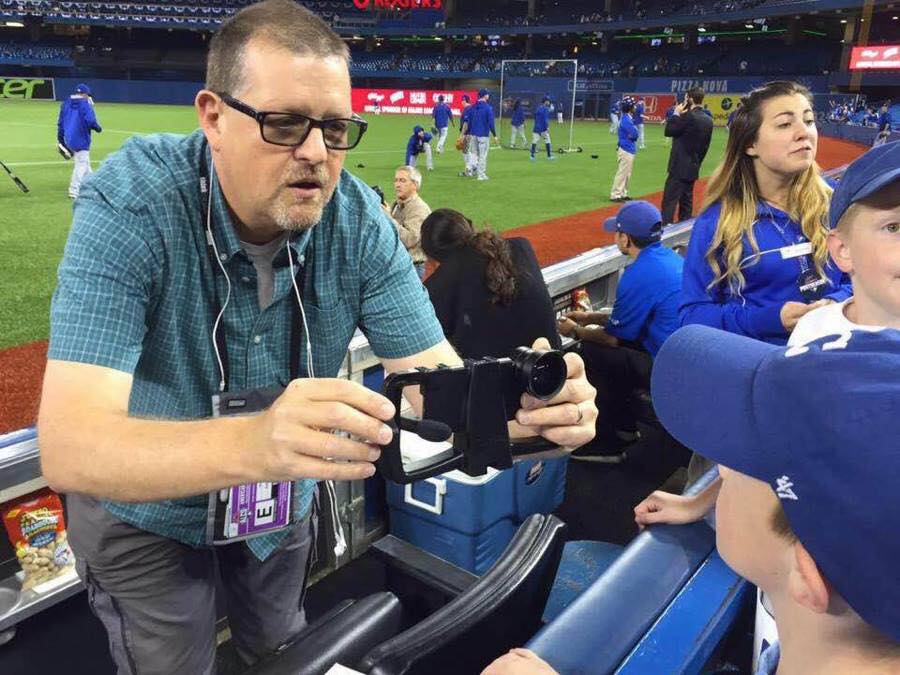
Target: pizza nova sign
(26, 88)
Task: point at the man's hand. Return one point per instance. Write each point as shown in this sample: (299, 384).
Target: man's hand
(567, 419)
(519, 662)
(495, 140)
(566, 327)
(665, 507)
(581, 318)
(294, 439)
(387, 210)
(792, 312)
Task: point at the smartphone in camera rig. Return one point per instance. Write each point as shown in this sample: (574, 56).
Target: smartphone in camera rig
(472, 403)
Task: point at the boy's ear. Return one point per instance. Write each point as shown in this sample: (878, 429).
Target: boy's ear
(840, 251)
(806, 584)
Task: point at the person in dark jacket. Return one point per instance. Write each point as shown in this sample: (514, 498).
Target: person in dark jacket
(488, 292)
(691, 130)
(73, 130)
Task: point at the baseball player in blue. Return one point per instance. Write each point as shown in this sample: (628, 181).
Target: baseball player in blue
(614, 111)
(884, 126)
(465, 141)
(639, 121)
(73, 130)
(443, 117)
(670, 113)
(541, 128)
(480, 126)
(517, 122)
(625, 152)
(419, 143)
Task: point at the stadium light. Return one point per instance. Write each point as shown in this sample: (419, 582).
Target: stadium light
(748, 26)
(19, 24)
(701, 29)
(843, 20)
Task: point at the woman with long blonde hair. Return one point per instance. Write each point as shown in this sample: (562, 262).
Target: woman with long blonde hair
(757, 259)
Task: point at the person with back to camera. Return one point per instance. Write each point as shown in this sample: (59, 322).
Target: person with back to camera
(625, 152)
(619, 355)
(236, 261)
(517, 122)
(488, 292)
(408, 212)
(479, 127)
(443, 119)
(691, 132)
(76, 121)
(758, 257)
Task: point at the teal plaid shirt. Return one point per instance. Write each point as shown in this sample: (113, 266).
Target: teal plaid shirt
(135, 293)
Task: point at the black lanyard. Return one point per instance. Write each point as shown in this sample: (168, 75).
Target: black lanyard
(219, 332)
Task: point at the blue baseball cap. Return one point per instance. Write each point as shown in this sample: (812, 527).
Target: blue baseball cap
(441, 98)
(864, 177)
(638, 218)
(819, 424)
(83, 89)
(483, 92)
(417, 129)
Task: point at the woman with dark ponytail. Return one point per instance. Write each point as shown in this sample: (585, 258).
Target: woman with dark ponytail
(488, 293)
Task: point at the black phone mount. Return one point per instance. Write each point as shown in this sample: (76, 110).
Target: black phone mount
(473, 403)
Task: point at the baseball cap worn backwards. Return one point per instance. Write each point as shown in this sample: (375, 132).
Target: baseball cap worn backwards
(821, 425)
(638, 218)
(864, 177)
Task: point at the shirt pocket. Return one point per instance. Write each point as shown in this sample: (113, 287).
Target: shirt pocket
(331, 327)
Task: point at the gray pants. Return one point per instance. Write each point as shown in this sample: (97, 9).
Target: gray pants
(482, 146)
(156, 596)
(80, 171)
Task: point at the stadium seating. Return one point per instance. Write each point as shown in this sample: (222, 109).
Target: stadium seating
(21, 53)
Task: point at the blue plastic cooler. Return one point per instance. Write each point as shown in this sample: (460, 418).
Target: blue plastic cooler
(470, 520)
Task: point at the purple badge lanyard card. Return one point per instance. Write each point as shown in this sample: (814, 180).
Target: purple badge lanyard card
(253, 509)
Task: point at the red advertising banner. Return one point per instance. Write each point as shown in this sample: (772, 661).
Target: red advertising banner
(407, 101)
(655, 105)
(877, 57)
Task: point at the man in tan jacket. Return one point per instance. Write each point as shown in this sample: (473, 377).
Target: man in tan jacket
(408, 212)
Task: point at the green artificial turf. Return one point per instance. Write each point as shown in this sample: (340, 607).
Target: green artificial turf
(33, 227)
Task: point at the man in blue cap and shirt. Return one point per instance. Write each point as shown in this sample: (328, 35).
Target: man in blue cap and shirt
(618, 349)
(479, 124)
(73, 133)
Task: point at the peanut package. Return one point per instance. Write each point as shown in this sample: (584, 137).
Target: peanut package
(37, 531)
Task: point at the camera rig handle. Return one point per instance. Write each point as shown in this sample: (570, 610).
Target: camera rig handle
(390, 464)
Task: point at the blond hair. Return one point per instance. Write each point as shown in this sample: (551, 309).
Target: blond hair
(733, 185)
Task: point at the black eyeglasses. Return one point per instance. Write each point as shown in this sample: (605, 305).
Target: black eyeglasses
(292, 129)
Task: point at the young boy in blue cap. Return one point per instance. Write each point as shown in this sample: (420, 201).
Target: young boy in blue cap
(619, 354)
(864, 242)
(73, 132)
(807, 443)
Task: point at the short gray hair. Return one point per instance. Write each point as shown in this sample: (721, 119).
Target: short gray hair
(414, 174)
(282, 23)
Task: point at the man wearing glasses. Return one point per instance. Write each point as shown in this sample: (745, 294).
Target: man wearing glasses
(235, 263)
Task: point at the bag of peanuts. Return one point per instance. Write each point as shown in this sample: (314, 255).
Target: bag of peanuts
(37, 531)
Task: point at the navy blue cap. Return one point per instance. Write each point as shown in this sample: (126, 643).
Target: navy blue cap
(818, 424)
(83, 89)
(465, 97)
(864, 177)
(417, 129)
(441, 98)
(638, 218)
(483, 92)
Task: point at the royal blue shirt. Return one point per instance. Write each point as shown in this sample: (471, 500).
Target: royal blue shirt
(769, 283)
(615, 108)
(75, 123)
(481, 120)
(441, 114)
(628, 134)
(541, 120)
(518, 116)
(647, 298)
(639, 113)
(416, 145)
(884, 122)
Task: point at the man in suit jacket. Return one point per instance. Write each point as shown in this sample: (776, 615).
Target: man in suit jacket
(691, 131)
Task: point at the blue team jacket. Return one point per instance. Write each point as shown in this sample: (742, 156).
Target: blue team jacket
(481, 120)
(541, 120)
(769, 283)
(628, 134)
(518, 116)
(75, 122)
(884, 122)
(441, 114)
(416, 145)
(647, 298)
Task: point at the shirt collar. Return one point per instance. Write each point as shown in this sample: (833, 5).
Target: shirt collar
(766, 210)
